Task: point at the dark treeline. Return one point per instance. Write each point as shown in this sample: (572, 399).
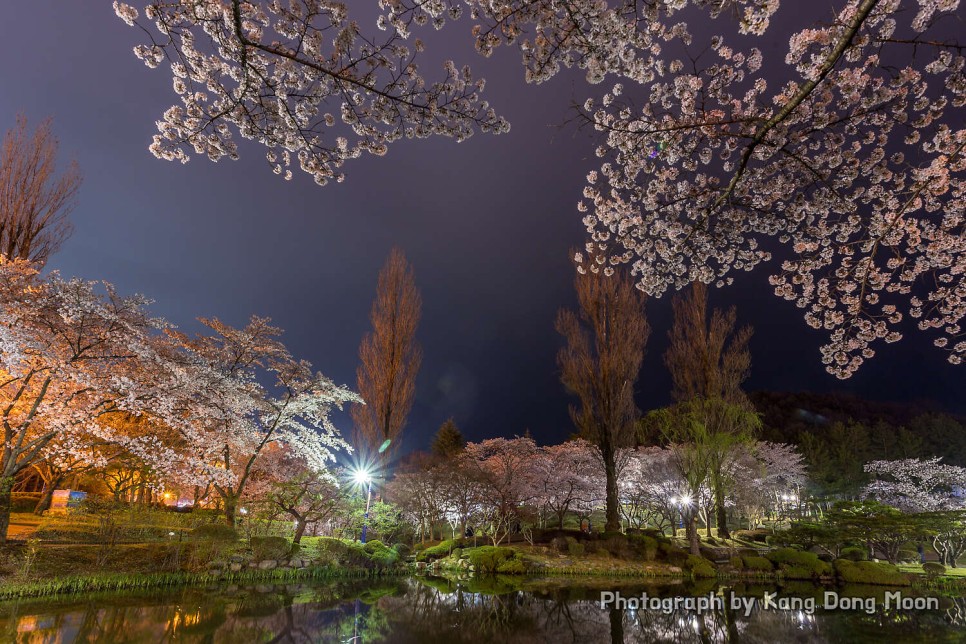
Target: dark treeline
(838, 433)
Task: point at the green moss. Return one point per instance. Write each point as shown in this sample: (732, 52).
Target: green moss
(737, 563)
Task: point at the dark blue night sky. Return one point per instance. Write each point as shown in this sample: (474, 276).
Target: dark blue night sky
(487, 225)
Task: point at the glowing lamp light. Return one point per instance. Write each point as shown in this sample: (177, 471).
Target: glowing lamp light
(361, 476)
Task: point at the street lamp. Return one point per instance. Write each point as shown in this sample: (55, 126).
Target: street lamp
(363, 477)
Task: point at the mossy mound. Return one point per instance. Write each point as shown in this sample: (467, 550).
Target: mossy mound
(870, 572)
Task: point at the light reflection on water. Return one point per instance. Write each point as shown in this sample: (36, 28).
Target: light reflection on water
(426, 611)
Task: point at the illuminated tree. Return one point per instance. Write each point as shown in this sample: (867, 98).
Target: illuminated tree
(228, 417)
(72, 353)
(389, 356)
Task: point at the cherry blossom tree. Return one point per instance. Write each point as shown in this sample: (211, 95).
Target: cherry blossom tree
(420, 492)
(851, 161)
(566, 476)
(306, 495)
(917, 485)
(301, 78)
(71, 354)
(230, 417)
(768, 477)
(650, 488)
(503, 468)
(930, 489)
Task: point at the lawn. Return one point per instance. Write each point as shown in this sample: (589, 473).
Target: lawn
(916, 568)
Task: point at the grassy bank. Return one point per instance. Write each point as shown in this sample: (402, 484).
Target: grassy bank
(107, 582)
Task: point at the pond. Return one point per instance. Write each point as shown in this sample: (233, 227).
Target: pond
(429, 610)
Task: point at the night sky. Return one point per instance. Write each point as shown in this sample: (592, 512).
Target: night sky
(486, 223)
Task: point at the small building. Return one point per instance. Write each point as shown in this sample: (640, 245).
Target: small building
(66, 499)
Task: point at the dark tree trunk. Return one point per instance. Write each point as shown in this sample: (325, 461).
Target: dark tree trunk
(6, 489)
(299, 530)
(613, 523)
(230, 506)
(691, 530)
(47, 498)
(721, 517)
(616, 626)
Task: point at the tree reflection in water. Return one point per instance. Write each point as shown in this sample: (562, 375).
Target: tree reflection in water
(429, 610)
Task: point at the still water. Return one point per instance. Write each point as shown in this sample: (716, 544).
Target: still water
(431, 610)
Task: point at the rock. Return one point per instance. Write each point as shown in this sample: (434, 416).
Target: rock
(267, 564)
(296, 563)
(420, 566)
(235, 566)
(236, 559)
(264, 588)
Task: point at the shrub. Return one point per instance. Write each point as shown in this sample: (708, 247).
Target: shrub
(270, 548)
(699, 566)
(617, 544)
(756, 563)
(380, 554)
(677, 557)
(487, 559)
(870, 572)
(796, 564)
(908, 555)
(337, 552)
(559, 544)
(737, 563)
(402, 550)
(214, 532)
(853, 553)
(748, 552)
(933, 569)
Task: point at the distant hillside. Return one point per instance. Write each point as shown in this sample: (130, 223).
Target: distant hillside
(787, 411)
(839, 433)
